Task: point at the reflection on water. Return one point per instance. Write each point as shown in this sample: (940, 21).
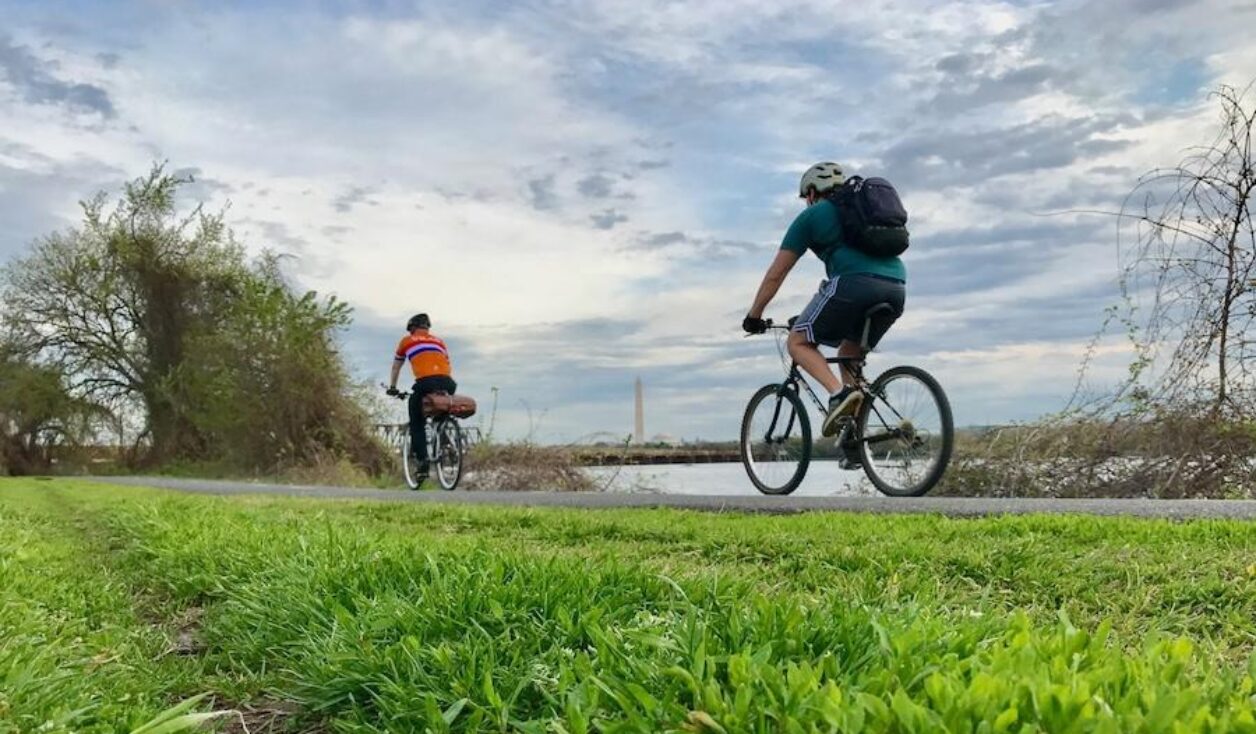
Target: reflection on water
(824, 478)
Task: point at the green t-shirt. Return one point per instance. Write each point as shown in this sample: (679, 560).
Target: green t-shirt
(816, 228)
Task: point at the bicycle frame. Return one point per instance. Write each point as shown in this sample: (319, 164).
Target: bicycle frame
(795, 377)
(431, 427)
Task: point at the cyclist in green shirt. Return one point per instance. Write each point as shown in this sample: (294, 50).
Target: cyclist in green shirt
(835, 316)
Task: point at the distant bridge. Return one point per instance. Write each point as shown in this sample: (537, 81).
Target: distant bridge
(394, 434)
(631, 455)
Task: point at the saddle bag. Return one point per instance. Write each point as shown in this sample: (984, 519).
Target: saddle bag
(459, 406)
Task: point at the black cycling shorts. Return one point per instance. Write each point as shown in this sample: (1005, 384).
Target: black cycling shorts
(837, 310)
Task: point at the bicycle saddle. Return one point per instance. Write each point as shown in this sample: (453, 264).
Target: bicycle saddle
(880, 309)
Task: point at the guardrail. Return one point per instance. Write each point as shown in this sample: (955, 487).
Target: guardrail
(596, 456)
(394, 434)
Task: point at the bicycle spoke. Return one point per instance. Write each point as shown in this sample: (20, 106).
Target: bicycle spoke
(775, 440)
(448, 457)
(906, 433)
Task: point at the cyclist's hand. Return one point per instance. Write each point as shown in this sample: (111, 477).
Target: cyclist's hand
(393, 391)
(754, 325)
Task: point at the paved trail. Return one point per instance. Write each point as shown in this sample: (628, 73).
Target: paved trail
(954, 506)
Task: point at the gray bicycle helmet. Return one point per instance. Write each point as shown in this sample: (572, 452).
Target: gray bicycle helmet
(822, 177)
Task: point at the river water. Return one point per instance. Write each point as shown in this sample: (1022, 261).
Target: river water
(824, 479)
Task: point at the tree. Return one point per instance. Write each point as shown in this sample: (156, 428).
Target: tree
(37, 415)
(154, 313)
(1189, 277)
(113, 303)
(268, 384)
(1183, 424)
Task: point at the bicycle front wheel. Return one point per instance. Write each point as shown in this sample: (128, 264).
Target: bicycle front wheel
(905, 432)
(448, 453)
(776, 440)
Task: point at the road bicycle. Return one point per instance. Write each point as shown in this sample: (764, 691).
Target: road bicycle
(447, 443)
(902, 435)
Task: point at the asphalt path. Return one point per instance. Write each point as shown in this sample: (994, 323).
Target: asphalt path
(952, 506)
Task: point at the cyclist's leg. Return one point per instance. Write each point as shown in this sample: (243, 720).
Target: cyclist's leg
(812, 361)
(806, 335)
(835, 318)
(418, 426)
(848, 348)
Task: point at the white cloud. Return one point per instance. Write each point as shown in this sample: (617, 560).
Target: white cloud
(461, 161)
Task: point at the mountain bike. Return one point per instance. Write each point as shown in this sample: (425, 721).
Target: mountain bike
(902, 436)
(447, 442)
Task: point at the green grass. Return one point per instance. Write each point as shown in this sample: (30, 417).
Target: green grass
(75, 652)
(383, 617)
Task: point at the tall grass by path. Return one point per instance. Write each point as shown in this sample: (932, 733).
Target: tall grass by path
(412, 618)
(75, 654)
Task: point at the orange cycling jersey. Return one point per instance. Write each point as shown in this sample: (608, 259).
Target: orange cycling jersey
(427, 354)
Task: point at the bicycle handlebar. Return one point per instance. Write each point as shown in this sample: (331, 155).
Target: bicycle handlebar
(769, 326)
(399, 395)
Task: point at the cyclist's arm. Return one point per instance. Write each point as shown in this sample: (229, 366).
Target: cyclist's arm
(780, 267)
(396, 371)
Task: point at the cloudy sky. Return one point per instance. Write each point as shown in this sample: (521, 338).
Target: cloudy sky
(585, 192)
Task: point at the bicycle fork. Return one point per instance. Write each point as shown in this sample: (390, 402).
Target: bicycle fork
(776, 416)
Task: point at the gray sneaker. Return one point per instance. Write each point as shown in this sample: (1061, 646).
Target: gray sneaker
(845, 403)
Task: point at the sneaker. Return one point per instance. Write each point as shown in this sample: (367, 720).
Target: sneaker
(423, 468)
(843, 404)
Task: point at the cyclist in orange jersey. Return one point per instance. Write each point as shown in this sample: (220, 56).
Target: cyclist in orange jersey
(429, 360)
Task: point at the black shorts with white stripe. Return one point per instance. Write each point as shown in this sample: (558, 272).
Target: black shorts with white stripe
(836, 312)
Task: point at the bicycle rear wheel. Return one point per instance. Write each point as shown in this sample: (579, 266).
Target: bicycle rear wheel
(905, 432)
(776, 440)
(409, 465)
(447, 457)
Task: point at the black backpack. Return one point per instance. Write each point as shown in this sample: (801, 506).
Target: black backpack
(872, 216)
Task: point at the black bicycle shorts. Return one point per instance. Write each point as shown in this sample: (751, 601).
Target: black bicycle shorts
(426, 386)
(435, 383)
(837, 310)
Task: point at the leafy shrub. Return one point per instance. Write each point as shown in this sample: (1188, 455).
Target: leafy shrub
(1176, 454)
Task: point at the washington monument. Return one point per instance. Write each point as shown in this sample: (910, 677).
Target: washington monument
(638, 433)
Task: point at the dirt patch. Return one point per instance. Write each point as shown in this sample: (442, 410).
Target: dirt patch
(186, 624)
(264, 717)
(182, 629)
